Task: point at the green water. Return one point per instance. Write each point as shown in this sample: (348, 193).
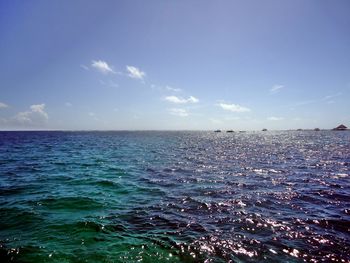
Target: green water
(174, 197)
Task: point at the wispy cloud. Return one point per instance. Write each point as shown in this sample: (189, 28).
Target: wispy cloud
(276, 88)
(172, 89)
(109, 83)
(233, 107)
(273, 118)
(84, 67)
(94, 116)
(178, 112)
(135, 73)
(232, 118)
(3, 105)
(165, 88)
(192, 99)
(179, 100)
(68, 104)
(302, 103)
(328, 97)
(35, 116)
(102, 66)
(215, 121)
(175, 99)
(3, 121)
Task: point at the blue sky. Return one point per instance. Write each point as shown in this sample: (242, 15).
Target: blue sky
(173, 65)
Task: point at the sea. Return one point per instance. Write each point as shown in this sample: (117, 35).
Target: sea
(174, 196)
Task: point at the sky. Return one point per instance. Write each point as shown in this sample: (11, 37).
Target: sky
(174, 65)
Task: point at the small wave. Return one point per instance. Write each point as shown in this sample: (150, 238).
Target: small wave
(70, 203)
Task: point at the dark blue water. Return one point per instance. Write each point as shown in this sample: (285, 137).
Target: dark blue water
(175, 197)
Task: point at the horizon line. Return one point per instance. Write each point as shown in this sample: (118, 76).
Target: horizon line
(157, 130)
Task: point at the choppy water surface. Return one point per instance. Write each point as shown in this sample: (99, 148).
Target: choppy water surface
(174, 197)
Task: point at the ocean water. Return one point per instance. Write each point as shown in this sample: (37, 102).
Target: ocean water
(175, 196)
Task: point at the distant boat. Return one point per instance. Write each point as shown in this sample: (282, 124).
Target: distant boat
(299, 129)
(229, 131)
(264, 129)
(341, 127)
(241, 131)
(317, 129)
(217, 131)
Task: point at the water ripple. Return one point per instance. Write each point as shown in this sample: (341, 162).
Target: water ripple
(175, 197)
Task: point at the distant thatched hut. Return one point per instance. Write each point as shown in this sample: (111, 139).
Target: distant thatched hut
(317, 129)
(264, 129)
(341, 127)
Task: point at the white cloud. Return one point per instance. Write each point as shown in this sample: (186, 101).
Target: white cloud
(193, 99)
(3, 105)
(68, 104)
(179, 100)
(39, 108)
(276, 88)
(35, 116)
(172, 89)
(102, 66)
(272, 118)
(135, 73)
(178, 112)
(175, 99)
(233, 107)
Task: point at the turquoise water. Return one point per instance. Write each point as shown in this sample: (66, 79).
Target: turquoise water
(174, 196)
